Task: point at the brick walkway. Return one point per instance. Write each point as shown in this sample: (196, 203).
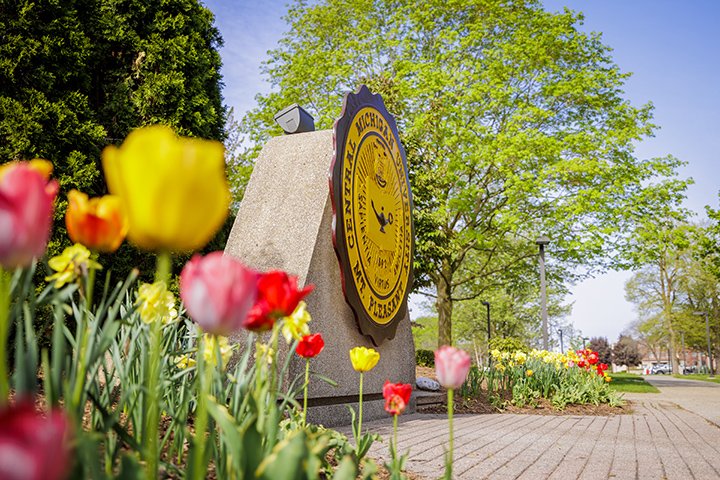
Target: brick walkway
(659, 440)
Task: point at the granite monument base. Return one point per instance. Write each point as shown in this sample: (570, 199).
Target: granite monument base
(285, 222)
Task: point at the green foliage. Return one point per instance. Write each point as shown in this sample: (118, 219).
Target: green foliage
(425, 358)
(513, 122)
(508, 344)
(79, 75)
(473, 383)
(424, 331)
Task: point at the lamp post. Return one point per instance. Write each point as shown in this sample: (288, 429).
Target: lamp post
(541, 242)
(583, 339)
(707, 334)
(561, 342)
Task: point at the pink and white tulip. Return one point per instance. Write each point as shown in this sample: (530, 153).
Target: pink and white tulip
(26, 207)
(218, 292)
(451, 366)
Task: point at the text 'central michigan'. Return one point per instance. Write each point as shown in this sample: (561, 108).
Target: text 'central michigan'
(372, 214)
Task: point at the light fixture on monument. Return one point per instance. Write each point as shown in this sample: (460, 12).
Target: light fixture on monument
(294, 119)
(372, 207)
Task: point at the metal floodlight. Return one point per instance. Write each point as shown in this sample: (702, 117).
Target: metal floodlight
(294, 119)
(542, 240)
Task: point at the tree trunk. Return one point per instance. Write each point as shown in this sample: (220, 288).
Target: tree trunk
(444, 305)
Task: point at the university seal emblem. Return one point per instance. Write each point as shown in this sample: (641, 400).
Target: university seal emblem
(372, 215)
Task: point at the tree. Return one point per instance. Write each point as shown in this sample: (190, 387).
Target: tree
(663, 248)
(513, 121)
(78, 75)
(626, 352)
(602, 347)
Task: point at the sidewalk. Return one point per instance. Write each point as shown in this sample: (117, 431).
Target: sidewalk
(659, 440)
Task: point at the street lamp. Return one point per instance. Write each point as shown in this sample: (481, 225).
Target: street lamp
(707, 334)
(487, 304)
(561, 342)
(541, 242)
(583, 339)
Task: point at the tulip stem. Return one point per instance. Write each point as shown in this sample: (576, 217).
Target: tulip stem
(449, 463)
(5, 282)
(162, 267)
(395, 442)
(201, 415)
(152, 417)
(360, 407)
(305, 391)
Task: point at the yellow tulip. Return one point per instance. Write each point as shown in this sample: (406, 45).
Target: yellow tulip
(172, 189)
(364, 359)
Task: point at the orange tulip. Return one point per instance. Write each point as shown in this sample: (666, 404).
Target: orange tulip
(97, 223)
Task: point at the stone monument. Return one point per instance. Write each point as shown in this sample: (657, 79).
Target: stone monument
(287, 221)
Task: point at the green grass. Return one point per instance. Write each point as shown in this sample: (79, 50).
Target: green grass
(630, 382)
(698, 376)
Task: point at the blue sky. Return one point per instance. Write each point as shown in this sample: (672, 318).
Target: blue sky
(670, 46)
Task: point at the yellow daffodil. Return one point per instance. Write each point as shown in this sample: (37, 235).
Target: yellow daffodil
(226, 351)
(70, 264)
(529, 373)
(156, 303)
(184, 361)
(296, 325)
(173, 190)
(364, 359)
(263, 353)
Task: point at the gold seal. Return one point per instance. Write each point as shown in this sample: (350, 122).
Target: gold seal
(373, 215)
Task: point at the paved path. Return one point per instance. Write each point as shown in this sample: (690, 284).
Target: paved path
(699, 397)
(660, 440)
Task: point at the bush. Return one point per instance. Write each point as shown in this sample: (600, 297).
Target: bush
(425, 358)
(509, 344)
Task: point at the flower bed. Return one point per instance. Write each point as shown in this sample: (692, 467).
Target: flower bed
(538, 378)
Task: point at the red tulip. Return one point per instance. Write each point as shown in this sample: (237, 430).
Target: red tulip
(278, 296)
(397, 397)
(451, 366)
(218, 292)
(33, 446)
(592, 358)
(310, 345)
(26, 206)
